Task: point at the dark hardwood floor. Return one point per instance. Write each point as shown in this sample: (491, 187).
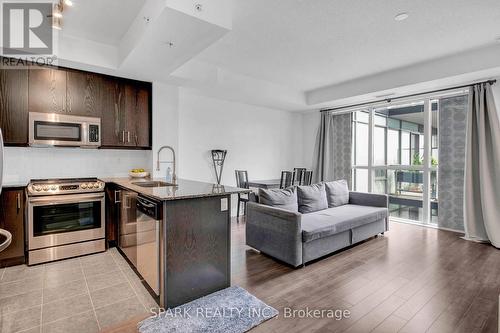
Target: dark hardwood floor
(413, 279)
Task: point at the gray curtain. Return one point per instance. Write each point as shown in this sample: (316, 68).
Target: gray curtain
(332, 153)
(482, 180)
(452, 129)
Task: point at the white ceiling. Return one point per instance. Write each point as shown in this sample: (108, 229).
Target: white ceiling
(280, 53)
(104, 21)
(313, 43)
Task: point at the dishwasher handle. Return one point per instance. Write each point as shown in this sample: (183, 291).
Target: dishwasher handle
(149, 207)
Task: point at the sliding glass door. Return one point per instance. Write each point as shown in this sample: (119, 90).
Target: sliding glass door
(395, 151)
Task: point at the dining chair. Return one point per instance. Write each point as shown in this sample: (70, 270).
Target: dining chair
(242, 182)
(298, 175)
(286, 179)
(308, 175)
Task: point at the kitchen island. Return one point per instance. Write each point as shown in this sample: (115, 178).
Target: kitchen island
(181, 248)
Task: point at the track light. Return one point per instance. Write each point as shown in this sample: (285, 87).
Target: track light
(57, 23)
(57, 13)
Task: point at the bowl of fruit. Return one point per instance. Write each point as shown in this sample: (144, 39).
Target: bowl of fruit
(138, 173)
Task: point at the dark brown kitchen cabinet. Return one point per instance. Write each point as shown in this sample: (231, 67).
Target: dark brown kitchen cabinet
(47, 90)
(113, 113)
(12, 207)
(137, 129)
(14, 106)
(124, 105)
(84, 93)
(126, 119)
(113, 195)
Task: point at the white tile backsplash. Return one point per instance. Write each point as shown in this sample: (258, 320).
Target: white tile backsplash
(23, 164)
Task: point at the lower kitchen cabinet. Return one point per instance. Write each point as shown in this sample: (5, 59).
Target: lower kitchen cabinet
(113, 195)
(12, 213)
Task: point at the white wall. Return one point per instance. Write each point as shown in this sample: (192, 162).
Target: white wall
(260, 140)
(23, 164)
(165, 124)
(310, 126)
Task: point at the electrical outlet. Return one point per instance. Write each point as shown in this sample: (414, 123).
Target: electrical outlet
(223, 204)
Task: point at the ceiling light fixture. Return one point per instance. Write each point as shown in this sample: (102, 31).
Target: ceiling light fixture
(57, 23)
(57, 13)
(401, 16)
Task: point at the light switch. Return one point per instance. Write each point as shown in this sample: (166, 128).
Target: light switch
(223, 204)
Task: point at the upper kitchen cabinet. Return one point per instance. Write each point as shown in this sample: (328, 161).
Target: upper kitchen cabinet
(123, 105)
(47, 90)
(138, 117)
(84, 93)
(113, 113)
(126, 115)
(14, 106)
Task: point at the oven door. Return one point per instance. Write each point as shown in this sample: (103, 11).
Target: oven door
(65, 219)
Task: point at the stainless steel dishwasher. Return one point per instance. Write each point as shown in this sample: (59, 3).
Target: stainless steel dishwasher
(149, 218)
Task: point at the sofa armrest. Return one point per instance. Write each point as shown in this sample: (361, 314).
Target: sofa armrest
(368, 199)
(275, 231)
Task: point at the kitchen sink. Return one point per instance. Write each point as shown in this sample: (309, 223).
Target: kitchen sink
(153, 184)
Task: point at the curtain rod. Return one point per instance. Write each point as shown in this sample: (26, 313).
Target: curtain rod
(388, 100)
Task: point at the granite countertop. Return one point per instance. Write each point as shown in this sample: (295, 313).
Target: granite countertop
(185, 189)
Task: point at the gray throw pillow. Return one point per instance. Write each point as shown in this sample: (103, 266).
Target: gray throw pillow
(312, 198)
(284, 199)
(337, 193)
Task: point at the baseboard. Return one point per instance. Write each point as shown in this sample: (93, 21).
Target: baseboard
(431, 226)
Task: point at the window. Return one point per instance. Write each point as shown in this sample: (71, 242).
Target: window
(395, 153)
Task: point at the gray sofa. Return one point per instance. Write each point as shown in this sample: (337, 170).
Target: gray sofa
(297, 238)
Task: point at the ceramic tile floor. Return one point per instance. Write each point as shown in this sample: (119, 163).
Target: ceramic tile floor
(81, 295)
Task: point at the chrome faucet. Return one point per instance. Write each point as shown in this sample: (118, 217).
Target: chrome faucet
(158, 162)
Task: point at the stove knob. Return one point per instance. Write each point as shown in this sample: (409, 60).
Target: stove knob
(45, 187)
(53, 188)
(37, 188)
(97, 185)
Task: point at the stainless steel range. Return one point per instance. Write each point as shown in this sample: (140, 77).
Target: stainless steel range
(66, 218)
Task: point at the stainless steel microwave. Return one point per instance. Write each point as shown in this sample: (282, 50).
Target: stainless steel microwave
(52, 129)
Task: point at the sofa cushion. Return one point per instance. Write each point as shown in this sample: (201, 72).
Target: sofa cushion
(312, 198)
(337, 193)
(335, 220)
(284, 199)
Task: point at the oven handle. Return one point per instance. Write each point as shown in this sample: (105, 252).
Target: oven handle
(54, 200)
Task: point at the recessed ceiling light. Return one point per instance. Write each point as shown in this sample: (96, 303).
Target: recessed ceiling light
(68, 3)
(401, 16)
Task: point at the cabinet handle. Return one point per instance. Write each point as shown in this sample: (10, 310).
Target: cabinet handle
(123, 136)
(128, 137)
(18, 201)
(117, 194)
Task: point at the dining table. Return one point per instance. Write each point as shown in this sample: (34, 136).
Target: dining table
(266, 183)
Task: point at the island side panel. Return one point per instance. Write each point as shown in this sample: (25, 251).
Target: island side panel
(198, 249)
